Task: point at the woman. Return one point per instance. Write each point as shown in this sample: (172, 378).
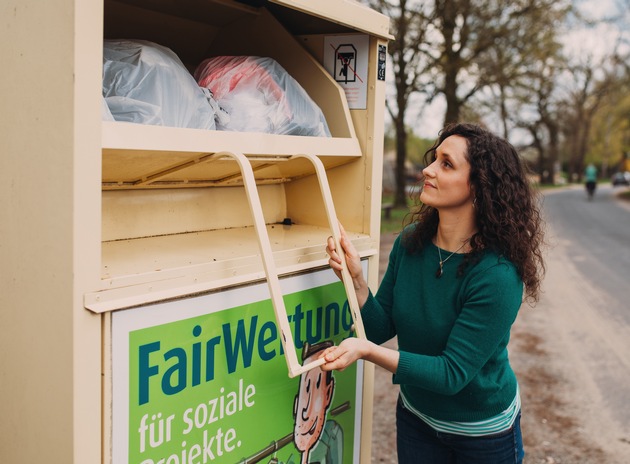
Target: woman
(454, 284)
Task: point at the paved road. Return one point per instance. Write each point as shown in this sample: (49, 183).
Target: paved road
(597, 236)
(588, 288)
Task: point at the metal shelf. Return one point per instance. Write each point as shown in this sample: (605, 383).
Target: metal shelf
(144, 156)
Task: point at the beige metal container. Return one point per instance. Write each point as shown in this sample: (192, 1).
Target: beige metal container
(98, 217)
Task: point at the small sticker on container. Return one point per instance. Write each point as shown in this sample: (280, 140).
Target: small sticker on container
(346, 60)
(382, 55)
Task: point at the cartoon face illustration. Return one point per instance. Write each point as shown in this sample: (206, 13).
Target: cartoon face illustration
(312, 401)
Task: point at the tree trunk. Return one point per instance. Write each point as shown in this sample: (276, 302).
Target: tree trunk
(538, 145)
(400, 198)
(504, 112)
(552, 157)
(452, 103)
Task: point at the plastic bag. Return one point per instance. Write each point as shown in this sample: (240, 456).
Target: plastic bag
(147, 83)
(106, 114)
(260, 96)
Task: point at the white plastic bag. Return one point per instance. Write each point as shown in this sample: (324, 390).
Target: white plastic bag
(106, 114)
(147, 83)
(260, 96)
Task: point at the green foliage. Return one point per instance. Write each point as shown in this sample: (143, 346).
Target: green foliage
(395, 221)
(398, 216)
(610, 134)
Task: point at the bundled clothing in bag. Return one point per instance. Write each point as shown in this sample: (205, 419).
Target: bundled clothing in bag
(147, 83)
(260, 96)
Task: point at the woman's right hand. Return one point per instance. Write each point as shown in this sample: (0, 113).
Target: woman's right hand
(353, 262)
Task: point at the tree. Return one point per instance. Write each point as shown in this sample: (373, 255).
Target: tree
(584, 101)
(567, 116)
(477, 44)
(455, 49)
(517, 72)
(537, 110)
(408, 25)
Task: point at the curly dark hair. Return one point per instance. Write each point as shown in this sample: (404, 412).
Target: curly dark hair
(506, 207)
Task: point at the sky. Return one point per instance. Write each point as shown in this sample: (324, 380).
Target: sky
(599, 38)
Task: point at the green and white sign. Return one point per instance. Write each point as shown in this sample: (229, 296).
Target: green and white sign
(204, 379)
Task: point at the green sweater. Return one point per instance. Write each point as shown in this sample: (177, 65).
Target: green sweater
(452, 331)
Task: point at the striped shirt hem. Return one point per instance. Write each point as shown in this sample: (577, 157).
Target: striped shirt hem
(496, 424)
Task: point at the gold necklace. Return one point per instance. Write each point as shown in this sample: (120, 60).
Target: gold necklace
(440, 270)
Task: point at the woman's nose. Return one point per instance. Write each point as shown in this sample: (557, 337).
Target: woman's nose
(428, 171)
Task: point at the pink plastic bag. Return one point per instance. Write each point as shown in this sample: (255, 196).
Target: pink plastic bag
(260, 96)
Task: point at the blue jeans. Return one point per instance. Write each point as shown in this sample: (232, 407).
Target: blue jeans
(418, 443)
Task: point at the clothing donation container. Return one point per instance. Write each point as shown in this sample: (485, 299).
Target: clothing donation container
(173, 169)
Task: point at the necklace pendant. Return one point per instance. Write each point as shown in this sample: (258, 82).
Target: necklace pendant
(438, 273)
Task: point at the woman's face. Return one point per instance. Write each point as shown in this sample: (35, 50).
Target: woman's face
(446, 183)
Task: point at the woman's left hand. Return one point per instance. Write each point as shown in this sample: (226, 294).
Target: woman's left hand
(353, 349)
(348, 351)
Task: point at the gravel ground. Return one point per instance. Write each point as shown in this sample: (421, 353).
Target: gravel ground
(553, 403)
